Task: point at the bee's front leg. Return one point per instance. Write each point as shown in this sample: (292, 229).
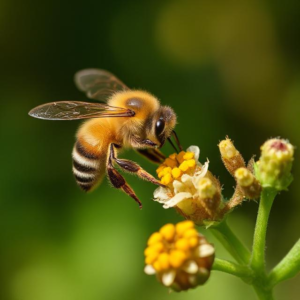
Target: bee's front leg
(132, 167)
(116, 179)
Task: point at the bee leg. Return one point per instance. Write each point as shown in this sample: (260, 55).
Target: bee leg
(153, 155)
(132, 167)
(117, 180)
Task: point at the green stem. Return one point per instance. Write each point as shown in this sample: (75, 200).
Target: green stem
(288, 267)
(259, 241)
(232, 268)
(232, 244)
(263, 294)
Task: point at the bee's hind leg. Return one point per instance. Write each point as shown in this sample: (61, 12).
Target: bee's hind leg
(117, 180)
(132, 167)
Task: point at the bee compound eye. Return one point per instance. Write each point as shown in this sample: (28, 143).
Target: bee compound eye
(159, 127)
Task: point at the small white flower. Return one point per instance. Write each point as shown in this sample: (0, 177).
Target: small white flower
(186, 187)
(189, 186)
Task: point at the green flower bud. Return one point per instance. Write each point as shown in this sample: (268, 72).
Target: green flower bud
(274, 166)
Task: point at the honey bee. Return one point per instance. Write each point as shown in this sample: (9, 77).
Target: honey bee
(125, 119)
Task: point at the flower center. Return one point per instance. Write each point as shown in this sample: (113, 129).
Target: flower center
(172, 246)
(175, 166)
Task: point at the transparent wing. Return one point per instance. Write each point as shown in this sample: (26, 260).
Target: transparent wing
(98, 84)
(75, 110)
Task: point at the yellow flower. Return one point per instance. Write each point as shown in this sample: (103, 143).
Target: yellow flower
(190, 187)
(180, 257)
(175, 165)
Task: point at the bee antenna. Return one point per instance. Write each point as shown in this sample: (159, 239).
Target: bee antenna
(170, 141)
(177, 140)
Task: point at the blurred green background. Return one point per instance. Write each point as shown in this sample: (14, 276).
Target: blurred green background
(226, 67)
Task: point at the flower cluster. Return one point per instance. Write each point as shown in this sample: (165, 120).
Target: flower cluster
(179, 256)
(196, 194)
(189, 187)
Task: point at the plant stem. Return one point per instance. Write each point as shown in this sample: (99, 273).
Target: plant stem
(232, 268)
(232, 244)
(263, 294)
(259, 241)
(288, 267)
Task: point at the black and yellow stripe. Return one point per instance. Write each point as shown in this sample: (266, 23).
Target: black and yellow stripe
(85, 167)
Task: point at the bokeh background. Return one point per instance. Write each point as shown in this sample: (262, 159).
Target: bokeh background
(227, 67)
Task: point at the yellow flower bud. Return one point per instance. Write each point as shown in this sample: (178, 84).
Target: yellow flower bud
(160, 168)
(188, 155)
(171, 163)
(231, 157)
(184, 166)
(166, 179)
(275, 163)
(206, 188)
(168, 231)
(155, 238)
(244, 177)
(176, 173)
(248, 184)
(180, 156)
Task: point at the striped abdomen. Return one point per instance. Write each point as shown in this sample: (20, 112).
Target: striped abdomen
(88, 166)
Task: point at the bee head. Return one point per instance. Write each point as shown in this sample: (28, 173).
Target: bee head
(163, 124)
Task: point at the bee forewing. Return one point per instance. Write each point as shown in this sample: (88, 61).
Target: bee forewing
(75, 110)
(98, 84)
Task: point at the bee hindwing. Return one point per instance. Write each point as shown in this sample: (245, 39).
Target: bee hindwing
(88, 167)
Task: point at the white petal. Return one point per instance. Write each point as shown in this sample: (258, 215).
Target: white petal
(179, 187)
(168, 277)
(195, 150)
(176, 199)
(161, 194)
(149, 270)
(191, 267)
(205, 250)
(200, 174)
(187, 180)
